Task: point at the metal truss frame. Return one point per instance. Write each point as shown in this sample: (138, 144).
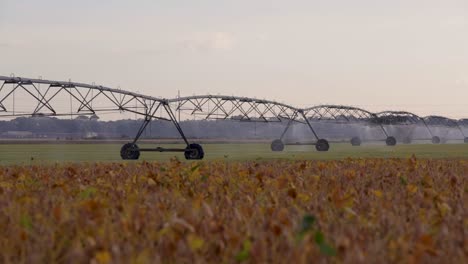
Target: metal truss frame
(89, 102)
(338, 114)
(442, 121)
(234, 108)
(398, 118)
(403, 118)
(220, 107)
(463, 122)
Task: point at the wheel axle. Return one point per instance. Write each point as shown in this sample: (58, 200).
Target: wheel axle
(130, 151)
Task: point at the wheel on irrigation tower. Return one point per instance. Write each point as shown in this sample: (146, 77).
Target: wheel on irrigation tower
(277, 145)
(390, 141)
(130, 151)
(465, 140)
(194, 152)
(407, 140)
(435, 140)
(356, 141)
(322, 145)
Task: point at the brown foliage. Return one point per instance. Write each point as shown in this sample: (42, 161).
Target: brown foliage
(354, 210)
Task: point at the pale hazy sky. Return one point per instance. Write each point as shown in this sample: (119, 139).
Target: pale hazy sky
(378, 54)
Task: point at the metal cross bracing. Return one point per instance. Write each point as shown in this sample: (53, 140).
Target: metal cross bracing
(85, 99)
(398, 118)
(463, 123)
(82, 99)
(434, 121)
(234, 108)
(336, 114)
(402, 124)
(396, 123)
(245, 109)
(339, 114)
(440, 121)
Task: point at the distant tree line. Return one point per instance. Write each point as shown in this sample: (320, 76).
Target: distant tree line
(84, 127)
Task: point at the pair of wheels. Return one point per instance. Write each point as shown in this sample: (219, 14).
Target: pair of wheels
(391, 141)
(130, 151)
(320, 145)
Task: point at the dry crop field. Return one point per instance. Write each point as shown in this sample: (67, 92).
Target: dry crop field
(352, 210)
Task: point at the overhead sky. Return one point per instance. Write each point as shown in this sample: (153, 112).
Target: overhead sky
(378, 54)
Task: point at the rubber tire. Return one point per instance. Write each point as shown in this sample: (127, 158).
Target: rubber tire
(277, 145)
(129, 151)
(356, 141)
(436, 140)
(322, 145)
(194, 152)
(390, 141)
(407, 140)
(465, 140)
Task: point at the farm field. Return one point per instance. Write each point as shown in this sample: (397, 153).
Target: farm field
(39, 153)
(352, 210)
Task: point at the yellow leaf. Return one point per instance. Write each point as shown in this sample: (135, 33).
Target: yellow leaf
(103, 257)
(195, 242)
(444, 208)
(350, 211)
(377, 193)
(411, 188)
(304, 197)
(151, 182)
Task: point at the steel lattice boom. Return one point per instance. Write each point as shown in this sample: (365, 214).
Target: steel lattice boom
(84, 99)
(398, 118)
(66, 98)
(89, 99)
(440, 121)
(339, 114)
(235, 108)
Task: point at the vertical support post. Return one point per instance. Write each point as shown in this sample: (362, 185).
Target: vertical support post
(149, 115)
(288, 125)
(71, 107)
(178, 108)
(174, 121)
(141, 129)
(380, 122)
(14, 89)
(461, 130)
(308, 124)
(383, 129)
(427, 127)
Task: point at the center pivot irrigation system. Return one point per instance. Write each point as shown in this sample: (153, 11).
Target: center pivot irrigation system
(336, 114)
(66, 98)
(395, 120)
